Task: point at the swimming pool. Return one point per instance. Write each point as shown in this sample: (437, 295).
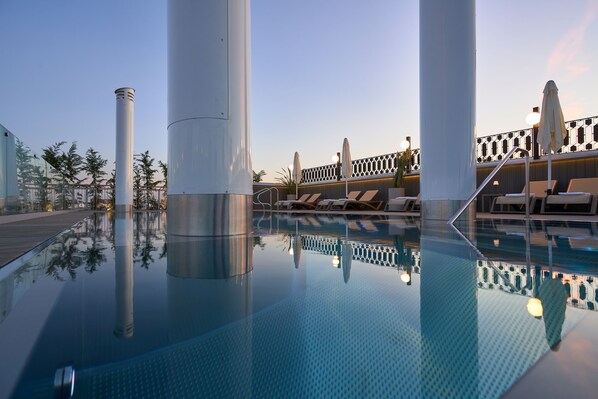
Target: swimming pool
(308, 306)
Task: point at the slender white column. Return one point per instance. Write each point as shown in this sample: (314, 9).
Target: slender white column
(123, 268)
(447, 106)
(125, 99)
(209, 148)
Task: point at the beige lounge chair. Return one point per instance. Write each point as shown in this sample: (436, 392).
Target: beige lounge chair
(365, 202)
(581, 193)
(324, 204)
(310, 203)
(285, 203)
(515, 203)
(401, 204)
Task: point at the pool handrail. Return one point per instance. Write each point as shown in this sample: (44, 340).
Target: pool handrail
(490, 176)
(262, 191)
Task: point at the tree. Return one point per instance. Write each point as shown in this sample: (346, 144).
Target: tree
(68, 164)
(402, 163)
(147, 184)
(111, 182)
(93, 165)
(25, 171)
(286, 179)
(257, 177)
(137, 195)
(164, 169)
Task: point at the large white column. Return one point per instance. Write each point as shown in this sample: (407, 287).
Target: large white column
(447, 107)
(209, 148)
(125, 99)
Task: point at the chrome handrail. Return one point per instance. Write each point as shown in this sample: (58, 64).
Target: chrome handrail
(491, 175)
(266, 190)
(488, 260)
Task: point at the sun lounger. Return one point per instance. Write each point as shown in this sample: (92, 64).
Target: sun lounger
(581, 198)
(324, 204)
(365, 202)
(284, 204)
(310, 203)
(515, 203)
(401, 204)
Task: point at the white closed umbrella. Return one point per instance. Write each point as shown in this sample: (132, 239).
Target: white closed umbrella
(296, 173)
(551, 129)
(347, 169)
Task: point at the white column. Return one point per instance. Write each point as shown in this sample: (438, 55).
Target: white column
(125, 99)
(123, 270)
(209, 149)
(447, 107)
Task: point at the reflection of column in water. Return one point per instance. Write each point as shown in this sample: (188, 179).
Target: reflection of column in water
(449, 314)
(208, 283)
(123, 240)
(6, 296)
(209, 289)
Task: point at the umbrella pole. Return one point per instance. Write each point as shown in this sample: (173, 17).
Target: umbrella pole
(550, 255)
(346, 188)
(297, 190)
(549, 173)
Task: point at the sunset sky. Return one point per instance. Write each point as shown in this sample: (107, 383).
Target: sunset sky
(322, 70)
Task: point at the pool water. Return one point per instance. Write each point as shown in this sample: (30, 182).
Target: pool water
(307, 306)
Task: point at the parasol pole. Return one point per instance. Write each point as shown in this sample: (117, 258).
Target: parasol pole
(548, 189)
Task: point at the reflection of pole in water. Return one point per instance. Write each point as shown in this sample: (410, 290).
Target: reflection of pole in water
(448, 314)
(209, 289)
(6, 296)
(123, 239)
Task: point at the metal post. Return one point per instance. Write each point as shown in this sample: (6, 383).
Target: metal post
(535, 145)
(527, 187)
(338, 166)
(408, 138)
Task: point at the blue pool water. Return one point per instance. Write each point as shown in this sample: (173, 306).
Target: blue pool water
(308, 306)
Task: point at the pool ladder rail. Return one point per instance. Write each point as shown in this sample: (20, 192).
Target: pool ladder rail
(270, 204)
(491, 176)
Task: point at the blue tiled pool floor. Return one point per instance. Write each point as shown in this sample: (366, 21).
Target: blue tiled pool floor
(347, 309)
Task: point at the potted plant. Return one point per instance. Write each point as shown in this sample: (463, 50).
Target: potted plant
(286, 179)
(402, 163)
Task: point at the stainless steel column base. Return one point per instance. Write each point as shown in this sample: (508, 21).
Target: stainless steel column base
(445, 209)
(209, 214)
(121, 209)
(209, 257)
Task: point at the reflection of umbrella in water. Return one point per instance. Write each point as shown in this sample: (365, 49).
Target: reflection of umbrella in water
(347, 165)
(554, 300)
(553, 295)
(346, 259)
(551, 129)
(297, 250)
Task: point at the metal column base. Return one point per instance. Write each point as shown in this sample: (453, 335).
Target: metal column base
(445, 209)
(209, 214)
(123, 209)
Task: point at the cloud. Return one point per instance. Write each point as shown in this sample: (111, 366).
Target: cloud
(567, 55)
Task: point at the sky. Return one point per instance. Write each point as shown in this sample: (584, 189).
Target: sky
(322, 70)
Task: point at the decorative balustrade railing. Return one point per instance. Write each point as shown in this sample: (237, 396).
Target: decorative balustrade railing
(582, 290)
(378, 165)
(582, 136)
